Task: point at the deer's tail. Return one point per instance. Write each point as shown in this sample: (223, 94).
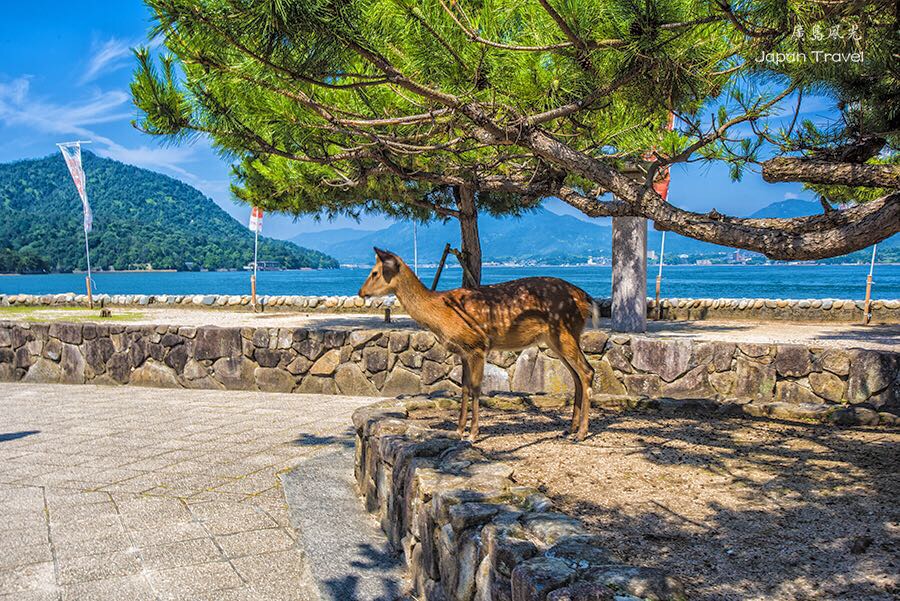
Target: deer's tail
(594, 310)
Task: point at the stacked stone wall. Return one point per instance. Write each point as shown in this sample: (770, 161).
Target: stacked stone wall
(778, 379)
(468, 532)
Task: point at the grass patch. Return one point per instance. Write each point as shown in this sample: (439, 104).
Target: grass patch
(76, 314)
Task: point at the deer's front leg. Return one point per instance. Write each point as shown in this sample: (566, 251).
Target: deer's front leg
(464, 405)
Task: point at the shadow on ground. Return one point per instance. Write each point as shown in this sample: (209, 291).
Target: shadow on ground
(7, 436)
(739, 508)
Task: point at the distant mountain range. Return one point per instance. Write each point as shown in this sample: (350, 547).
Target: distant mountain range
(141, 219)
(539, 236)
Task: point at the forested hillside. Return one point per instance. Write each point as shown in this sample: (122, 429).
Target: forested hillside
(141, 219)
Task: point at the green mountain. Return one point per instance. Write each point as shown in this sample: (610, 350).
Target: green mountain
(141, 218)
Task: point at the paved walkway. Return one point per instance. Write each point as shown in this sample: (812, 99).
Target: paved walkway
(139, 493)
(879, 336)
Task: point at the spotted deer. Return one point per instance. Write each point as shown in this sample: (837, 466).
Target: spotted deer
(508, 316)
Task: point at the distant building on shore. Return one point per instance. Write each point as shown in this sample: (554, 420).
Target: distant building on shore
(265, 266)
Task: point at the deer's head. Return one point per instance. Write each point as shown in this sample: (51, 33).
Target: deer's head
(382, 279)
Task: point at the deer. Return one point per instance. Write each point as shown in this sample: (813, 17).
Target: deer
(513, 315)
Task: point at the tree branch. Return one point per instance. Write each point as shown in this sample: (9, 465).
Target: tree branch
(810, 171)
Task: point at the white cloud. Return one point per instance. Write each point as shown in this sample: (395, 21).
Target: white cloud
(791, 195)
(18, 107)
(108, 56)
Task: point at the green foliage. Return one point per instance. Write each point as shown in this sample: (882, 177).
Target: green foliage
(353, 106)
(140, 218)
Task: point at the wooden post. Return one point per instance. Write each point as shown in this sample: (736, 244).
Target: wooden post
(253, 291)
(657, 306)
(662, 252)
(437, 275)
(867, 307)
(87, 281)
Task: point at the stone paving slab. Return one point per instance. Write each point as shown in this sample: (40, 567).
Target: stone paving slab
(141, 493)
(356, 564)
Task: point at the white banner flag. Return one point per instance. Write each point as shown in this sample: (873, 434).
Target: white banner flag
(256, 216)
(72, 154)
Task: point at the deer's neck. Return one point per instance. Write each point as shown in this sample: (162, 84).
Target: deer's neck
(417, 300)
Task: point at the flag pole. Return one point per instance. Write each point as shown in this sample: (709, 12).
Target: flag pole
(867, 307)
(415, 250)
(255, 266)
(77, 172)
(662, 250)
(87, 254)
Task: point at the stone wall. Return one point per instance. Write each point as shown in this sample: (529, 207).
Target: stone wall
(812, 380)
(468, 532)
(813, 310)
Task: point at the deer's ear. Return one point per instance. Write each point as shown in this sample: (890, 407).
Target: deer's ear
(381, 254)
(390, 266)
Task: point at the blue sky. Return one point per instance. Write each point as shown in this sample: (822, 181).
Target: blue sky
(64, 74)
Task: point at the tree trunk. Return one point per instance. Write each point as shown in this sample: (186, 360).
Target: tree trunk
(471, 242)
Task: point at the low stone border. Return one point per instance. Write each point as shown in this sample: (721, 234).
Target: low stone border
(814, 310)
(816, 380)
(468, 532)
(322, 304)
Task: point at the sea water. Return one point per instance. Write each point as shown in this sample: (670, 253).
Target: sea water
(679, 281)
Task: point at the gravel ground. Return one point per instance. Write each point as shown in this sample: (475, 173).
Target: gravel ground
(739, 509)
(885, 337)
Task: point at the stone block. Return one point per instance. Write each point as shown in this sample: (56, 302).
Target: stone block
(375, 359)
(43, 370)
(667, 358)
(870, 373)
(535, 578)
(69, 333)
(605, 380)
(754, 380)
(270, 379)
(792, 360)
(154, 374)
(836, 361)
(72, 364)
(645, 385)
(495, 379)
(326, 364)
(401, 381)
(643, 583)
(694, 384)
(716, 355)
(215, 343)
(828, 386)
(350, 379)
(594, 341)
(235, 373)
(794, 393)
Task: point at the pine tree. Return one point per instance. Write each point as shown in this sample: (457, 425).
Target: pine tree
(410, 107)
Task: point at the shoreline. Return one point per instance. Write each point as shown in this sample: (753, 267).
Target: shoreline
(650, 265)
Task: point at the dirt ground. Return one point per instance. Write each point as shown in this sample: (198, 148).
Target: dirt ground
(739, 509)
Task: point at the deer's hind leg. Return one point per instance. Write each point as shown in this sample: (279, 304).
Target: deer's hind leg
(476, 374)
(566, 345)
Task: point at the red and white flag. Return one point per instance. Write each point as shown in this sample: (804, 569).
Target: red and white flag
(662, 179)
(256, 216)
(71, 152)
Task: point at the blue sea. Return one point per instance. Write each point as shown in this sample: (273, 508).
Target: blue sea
(679, 281)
